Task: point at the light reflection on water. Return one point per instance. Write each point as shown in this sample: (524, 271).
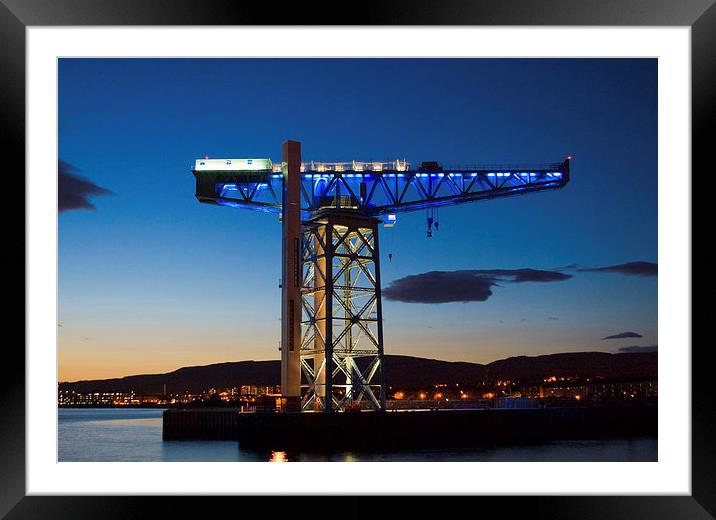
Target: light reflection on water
(136, 435)
(278, 456)
(126, 423)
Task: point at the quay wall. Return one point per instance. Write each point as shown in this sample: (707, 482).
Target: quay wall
(408, 429)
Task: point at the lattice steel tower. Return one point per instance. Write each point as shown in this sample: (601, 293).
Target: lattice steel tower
(331, 314)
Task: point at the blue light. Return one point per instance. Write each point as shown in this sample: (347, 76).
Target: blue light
(320, 186)
(227, 203)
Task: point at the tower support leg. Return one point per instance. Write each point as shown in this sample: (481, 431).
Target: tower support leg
(342, 340)
(291, 277)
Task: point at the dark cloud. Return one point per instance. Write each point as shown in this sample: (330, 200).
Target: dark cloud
(630, 269)
(472, 285)
(521, 275)
(651, 348)
(621, 335)
(440, 287)
(73, 191)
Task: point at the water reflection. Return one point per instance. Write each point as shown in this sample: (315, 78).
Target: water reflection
(294, 456)
(119, 423)
(278, 456)
(136, 435)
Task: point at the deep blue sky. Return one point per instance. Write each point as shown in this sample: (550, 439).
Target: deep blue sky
(153, 280)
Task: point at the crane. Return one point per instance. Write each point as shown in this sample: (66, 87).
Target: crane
(331, 312)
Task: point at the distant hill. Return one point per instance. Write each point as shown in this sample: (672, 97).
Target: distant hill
(220, 375)
(584, 364)
(400, 371)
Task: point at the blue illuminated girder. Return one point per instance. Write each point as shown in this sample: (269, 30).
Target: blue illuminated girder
(381, 193)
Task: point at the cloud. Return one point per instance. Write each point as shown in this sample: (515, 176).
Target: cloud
(629, 269)
(553, 318)
(470, 285)
(440, 287)
(621, 335)
(522, 275)
(74, 191)
(650, 348)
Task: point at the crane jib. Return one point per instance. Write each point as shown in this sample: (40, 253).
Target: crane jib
(378, 193)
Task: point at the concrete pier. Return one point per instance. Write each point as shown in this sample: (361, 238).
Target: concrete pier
(408, 429)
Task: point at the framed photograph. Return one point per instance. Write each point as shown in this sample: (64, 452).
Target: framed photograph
(258, 235)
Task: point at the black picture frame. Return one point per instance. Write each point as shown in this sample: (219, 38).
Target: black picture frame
(17, 15)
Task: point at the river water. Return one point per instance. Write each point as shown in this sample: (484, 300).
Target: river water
(109, 435)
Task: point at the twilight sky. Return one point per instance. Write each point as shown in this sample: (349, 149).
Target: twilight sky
(150, 280)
